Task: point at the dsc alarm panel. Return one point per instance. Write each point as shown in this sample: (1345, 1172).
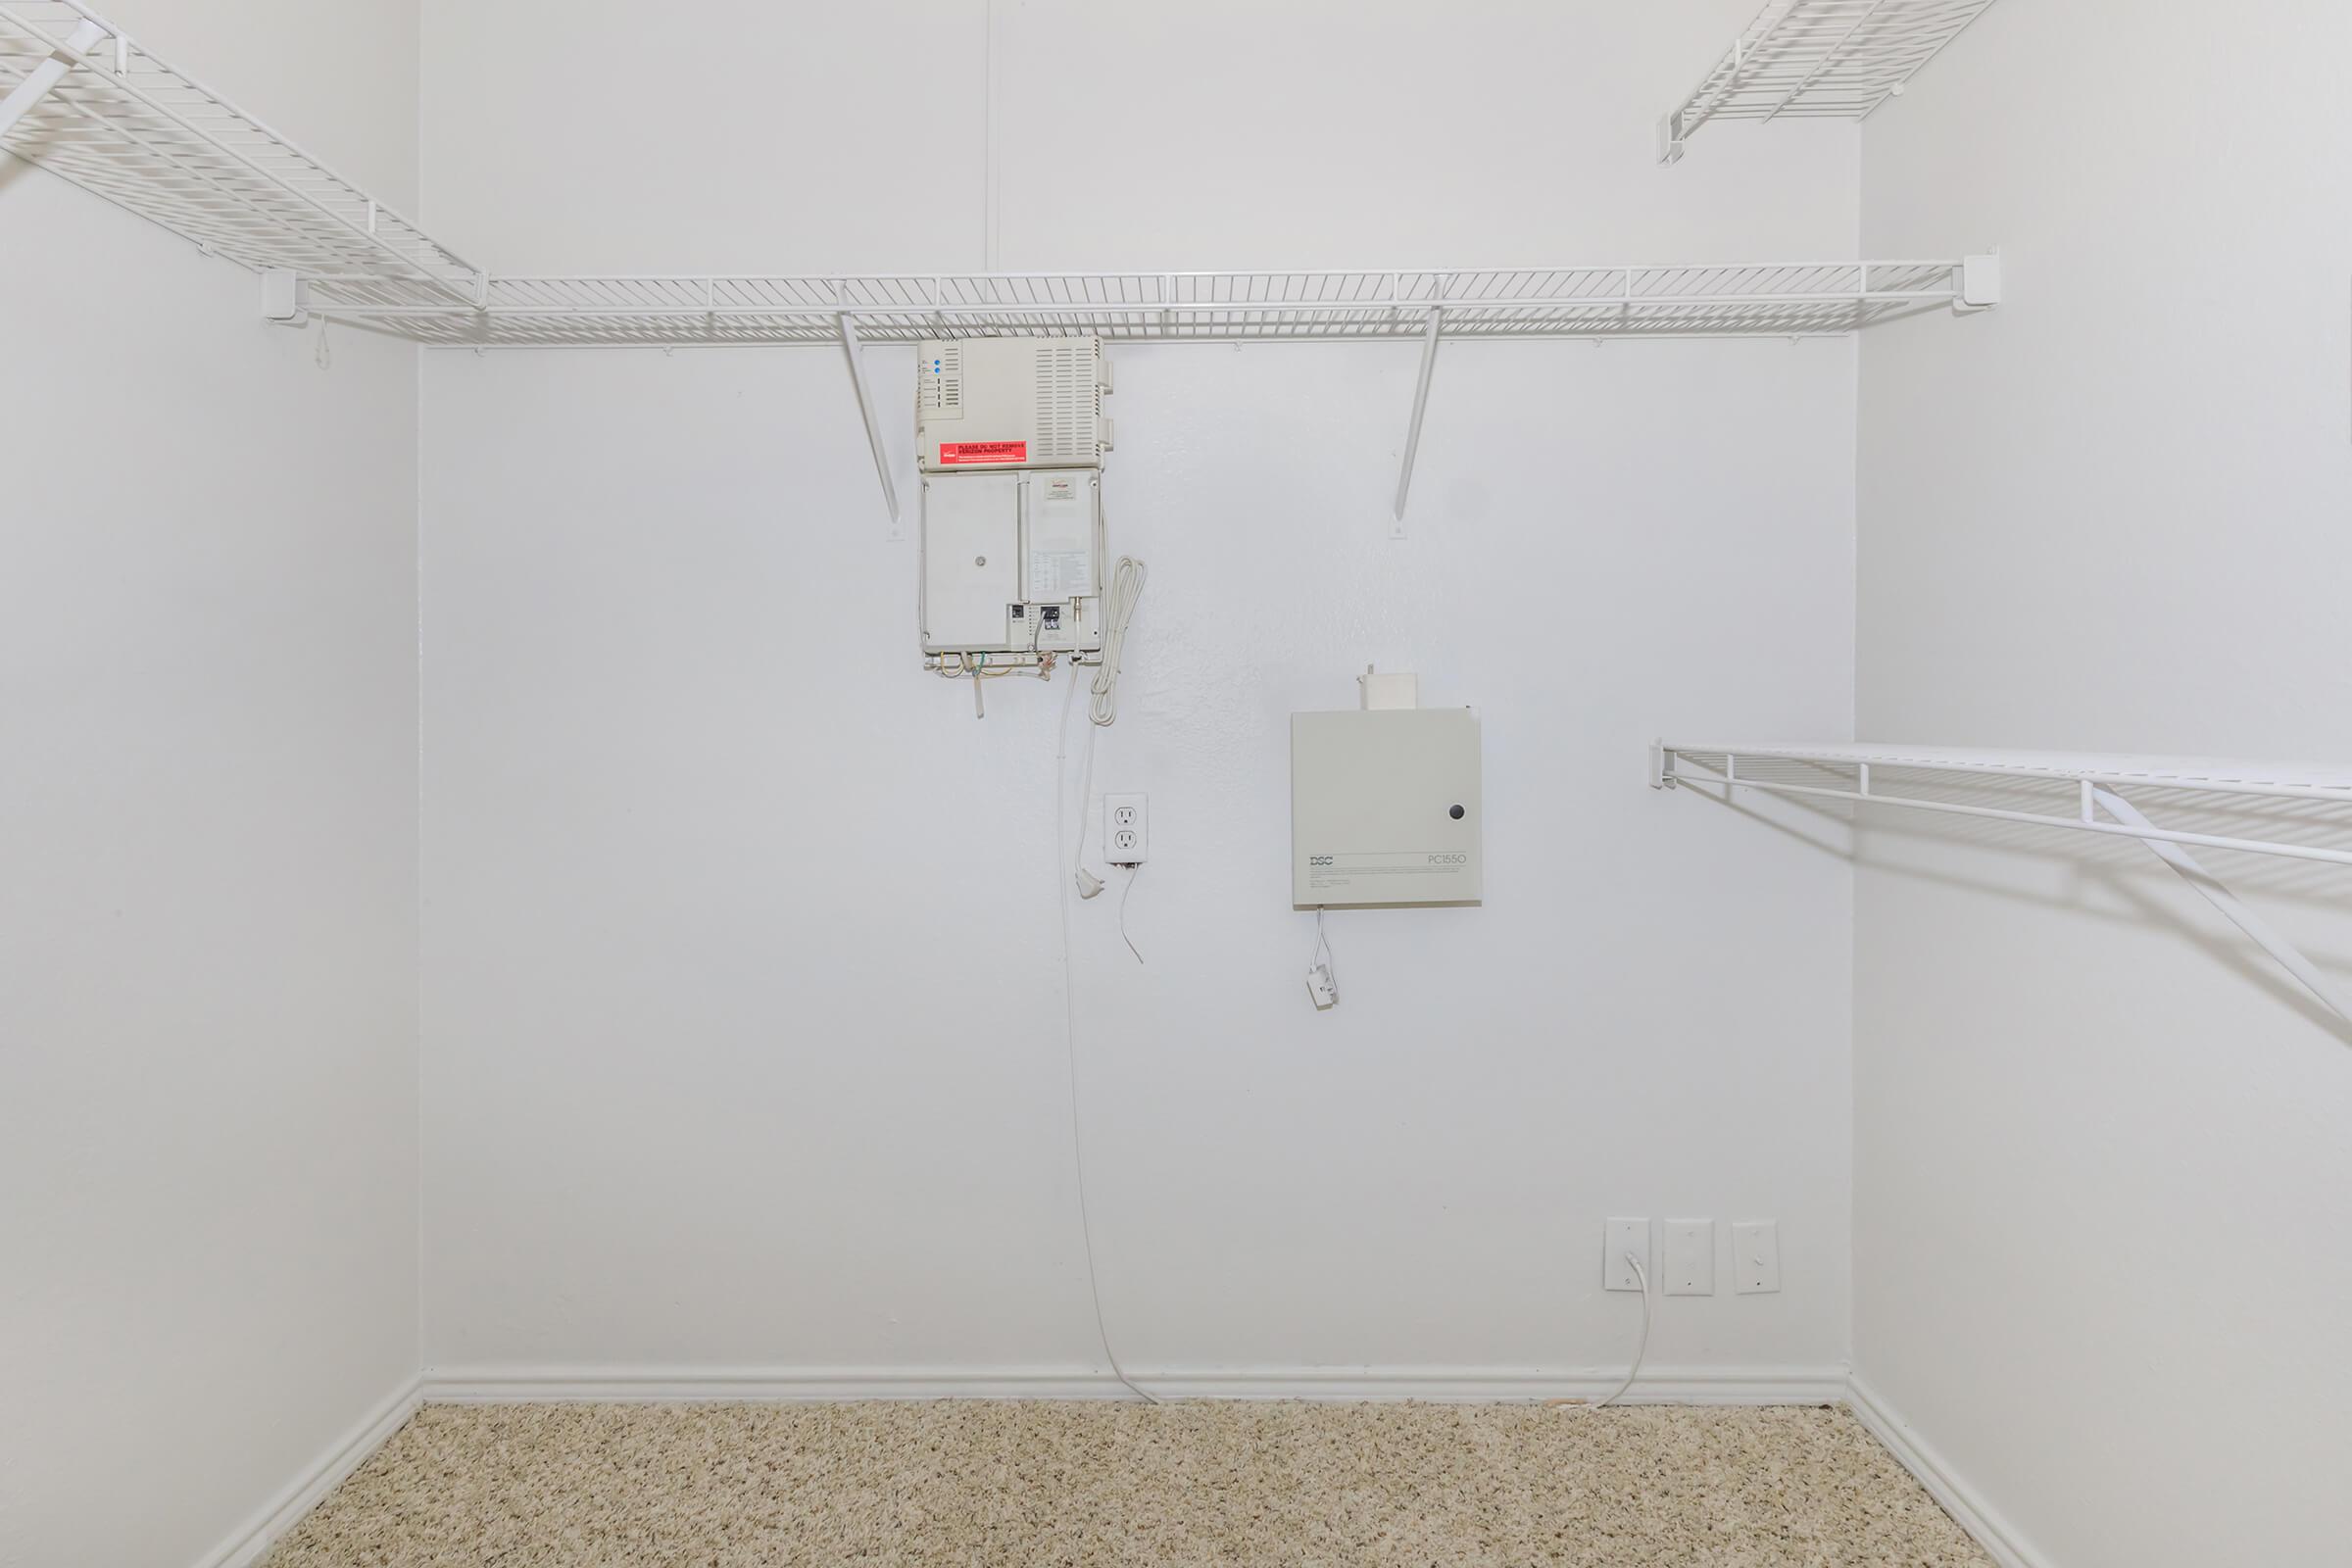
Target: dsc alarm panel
(1385, 808)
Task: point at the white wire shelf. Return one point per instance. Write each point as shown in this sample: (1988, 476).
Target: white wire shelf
(1794, 299)
(109, 116)
(2065, 787)
(1818, 58)
(81, 99)
(2298, 810)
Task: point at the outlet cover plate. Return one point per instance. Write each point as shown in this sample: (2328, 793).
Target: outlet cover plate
(1125, 836)
(1618, 1237)
(1690, 1260)
(1756, 1256)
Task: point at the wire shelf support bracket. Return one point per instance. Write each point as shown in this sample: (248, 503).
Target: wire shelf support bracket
(2093, 783)
(1413, 431)
(850, 347)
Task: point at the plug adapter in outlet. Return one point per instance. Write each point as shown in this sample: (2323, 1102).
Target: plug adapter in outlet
(1124, 836)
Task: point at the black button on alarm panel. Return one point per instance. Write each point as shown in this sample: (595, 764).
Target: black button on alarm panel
(1455, 813)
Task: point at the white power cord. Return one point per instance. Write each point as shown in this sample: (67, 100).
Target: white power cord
(1086, 1223)
(1640, 1346)
(1132, 872)
(1088, 884)
(1105, 703)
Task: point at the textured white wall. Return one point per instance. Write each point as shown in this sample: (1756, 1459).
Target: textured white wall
(742, 987)
(208, 1135)
(2102, 1167)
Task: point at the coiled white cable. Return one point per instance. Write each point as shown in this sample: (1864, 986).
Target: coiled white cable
(1103, 699)
(1118, 609)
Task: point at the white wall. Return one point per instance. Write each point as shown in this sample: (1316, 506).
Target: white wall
(2102, 1167)
(207, 818)
(743, 997)
(743, 992)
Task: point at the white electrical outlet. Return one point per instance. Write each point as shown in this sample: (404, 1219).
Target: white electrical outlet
(1123, 829)
(1756, 1256)
(1618, 1237)
(1690, 1258)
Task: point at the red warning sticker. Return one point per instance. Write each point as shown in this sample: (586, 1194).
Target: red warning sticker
(983, 452)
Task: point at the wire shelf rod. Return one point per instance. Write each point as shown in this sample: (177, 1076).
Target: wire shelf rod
(2209, 841)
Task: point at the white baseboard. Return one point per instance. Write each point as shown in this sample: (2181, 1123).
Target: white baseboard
(1962, 1502)
(256, 1535)
(1668, 1385)
(1752, 1385)
(704, 1385)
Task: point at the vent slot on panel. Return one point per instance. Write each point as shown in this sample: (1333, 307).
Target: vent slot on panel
(1066, 403)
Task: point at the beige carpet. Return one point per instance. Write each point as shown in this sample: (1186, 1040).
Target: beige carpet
(979, 1485)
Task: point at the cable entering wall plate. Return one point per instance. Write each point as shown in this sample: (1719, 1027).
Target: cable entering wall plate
(1640, 1346)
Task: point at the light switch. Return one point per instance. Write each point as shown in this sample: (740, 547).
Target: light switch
(1690, 1261)
(1756, 1256)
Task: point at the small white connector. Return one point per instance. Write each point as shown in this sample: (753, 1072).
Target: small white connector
(1322, 970)
(1384, 692)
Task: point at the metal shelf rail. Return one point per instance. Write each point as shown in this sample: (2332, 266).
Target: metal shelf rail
(1792, 298)
(1817, 59)
(1787, 299)
(2080, 792)
(85, 102)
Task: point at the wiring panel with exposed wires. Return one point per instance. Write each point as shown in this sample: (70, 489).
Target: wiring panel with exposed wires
(1010, 438)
